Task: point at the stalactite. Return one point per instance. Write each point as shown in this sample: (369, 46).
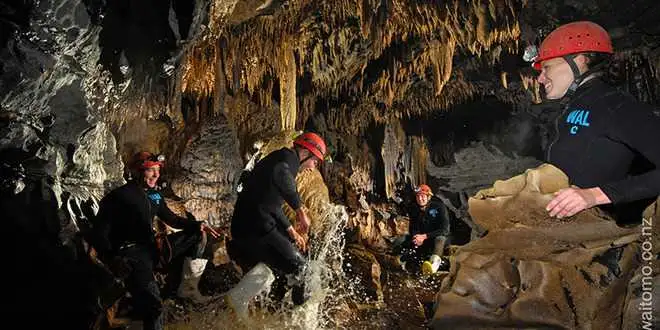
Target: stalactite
(220, 92)
(525, 81)
(443, 65)
(537, 92)
(418, 159)
(199, 69)
(391, 153)
(335, 52)
(202, 58)
(287, 75)
(529, 82)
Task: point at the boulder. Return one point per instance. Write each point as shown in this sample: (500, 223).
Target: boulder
(532, 270)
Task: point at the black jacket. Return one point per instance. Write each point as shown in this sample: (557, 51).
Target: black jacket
(605, 138)
(258, 209)
(126, 216)
(432, 221)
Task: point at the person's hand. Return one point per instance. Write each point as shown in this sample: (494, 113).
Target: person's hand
(208, 229)
(299, 240)
(302, 220)
(569, 201)
(419, 239)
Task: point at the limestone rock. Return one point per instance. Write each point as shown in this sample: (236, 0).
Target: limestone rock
(211, 167)
(531, 270)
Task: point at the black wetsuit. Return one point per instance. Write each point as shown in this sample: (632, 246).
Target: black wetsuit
(123, 229)
(258, 225)
(434, 221)
(605, 138)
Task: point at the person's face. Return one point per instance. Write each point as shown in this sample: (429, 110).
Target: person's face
(422, 199)
(311, 162)
(151, 176)
(556, 75)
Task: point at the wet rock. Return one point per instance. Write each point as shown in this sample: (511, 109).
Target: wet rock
(408, 296)
(373, 230)
(210, 168)
(531, 270)
(404, 159)
(641, 309)
(362, 266)
(142, 134)
(368, 231)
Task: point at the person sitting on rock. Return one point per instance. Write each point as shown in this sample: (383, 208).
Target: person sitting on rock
(428, 233)
(123, 237)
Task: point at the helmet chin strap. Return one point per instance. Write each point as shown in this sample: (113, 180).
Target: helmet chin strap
(307, 158)
(298, 150)
(578, 77)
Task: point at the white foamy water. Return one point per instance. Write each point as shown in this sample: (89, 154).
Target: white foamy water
(324, 273)
(324, 280)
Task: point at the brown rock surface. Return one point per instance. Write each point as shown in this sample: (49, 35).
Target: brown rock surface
(535, 271)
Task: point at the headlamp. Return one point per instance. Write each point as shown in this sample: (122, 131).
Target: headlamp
(531, 53)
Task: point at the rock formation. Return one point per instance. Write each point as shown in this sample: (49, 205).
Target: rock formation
(532, 270)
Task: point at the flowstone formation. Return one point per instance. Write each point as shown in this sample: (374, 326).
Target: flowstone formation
(532, 270)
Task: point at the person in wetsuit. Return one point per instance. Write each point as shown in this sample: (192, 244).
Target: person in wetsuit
(606, 141)
(260, 230)
(428, 233)
(124, 237)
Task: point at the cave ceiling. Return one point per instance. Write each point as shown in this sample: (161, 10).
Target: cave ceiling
(373, 60)
(355, 63)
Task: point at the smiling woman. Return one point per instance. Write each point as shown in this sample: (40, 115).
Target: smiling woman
(565, 49)
(403, 91)
(603, 136)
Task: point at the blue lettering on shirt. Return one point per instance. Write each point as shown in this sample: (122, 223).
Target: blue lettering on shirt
(155, 197)
(578, 118)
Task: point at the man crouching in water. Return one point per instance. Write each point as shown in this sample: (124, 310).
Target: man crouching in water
(261, 232)
(125, 240)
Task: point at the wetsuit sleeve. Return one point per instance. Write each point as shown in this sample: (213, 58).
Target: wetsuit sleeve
(441, 223)
(286, 185)
(639, 128)
(171, 219)
(108, 210)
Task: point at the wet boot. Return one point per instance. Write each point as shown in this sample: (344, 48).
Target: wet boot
(192, 272)
(299, 295)
(256, 281)
(431, 266)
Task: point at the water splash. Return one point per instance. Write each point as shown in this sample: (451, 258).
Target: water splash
(323, 277)
(323, 270)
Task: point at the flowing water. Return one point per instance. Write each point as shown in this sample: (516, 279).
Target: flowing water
(324, 278)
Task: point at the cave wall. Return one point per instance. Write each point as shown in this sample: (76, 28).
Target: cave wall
(83, 84)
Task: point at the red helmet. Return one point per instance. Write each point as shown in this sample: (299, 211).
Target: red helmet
(573, 38)
(144, 160)
(313, 143)
(424, 189)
